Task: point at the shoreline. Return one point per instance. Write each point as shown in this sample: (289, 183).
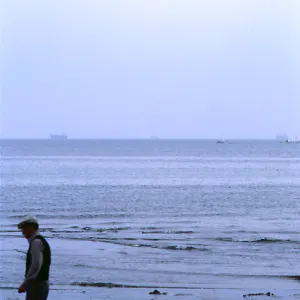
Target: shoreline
(283, 288)
(81, 293)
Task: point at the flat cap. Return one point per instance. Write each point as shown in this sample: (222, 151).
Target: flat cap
(28, 220)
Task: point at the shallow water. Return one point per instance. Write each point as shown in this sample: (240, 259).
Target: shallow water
(169, 214)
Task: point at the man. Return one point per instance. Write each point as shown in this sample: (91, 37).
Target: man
(38, 261)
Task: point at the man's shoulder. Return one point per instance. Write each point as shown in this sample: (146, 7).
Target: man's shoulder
(37, 243)
(42, 240)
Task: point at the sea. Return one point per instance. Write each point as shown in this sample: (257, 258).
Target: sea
(184, 215)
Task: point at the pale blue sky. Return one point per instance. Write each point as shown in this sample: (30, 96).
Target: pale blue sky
(137, 68)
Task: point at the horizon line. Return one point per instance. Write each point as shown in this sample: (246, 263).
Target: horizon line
(141, 139)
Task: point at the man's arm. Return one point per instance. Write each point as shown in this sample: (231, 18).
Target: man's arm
(36, 251)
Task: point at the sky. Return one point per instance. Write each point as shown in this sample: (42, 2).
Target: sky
(141, 68)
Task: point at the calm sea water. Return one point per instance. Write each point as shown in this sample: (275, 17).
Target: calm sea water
(154, 213)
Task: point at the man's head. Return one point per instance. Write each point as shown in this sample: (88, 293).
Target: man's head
(29, 226)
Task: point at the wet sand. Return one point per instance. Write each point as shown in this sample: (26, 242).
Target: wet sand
(83, 286)
(81, 293)
(268, 288)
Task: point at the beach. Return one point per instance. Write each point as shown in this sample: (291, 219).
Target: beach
(203, 286)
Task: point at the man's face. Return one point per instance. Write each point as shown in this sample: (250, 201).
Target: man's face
(28, 231)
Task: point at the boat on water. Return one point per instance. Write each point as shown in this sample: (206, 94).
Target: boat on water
(295, 140)
(221, 140)
(58, 137)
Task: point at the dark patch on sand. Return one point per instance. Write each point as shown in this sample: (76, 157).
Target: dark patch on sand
(104, 284)
(157, 292)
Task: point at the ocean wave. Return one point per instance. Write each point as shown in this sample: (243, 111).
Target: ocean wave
(74, 229)
(74, 216)
(256, 241)
(122, 242)
(162, 247)
(151, 228)
(112, 229)
(158, 158)
(167, 232)
(187, 248)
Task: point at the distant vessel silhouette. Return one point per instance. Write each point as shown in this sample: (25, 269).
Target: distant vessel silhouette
(294, 140)
(58, 137)
(221, 140)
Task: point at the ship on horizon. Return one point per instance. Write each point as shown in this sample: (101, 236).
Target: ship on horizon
(58, 137)
(293, 140)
